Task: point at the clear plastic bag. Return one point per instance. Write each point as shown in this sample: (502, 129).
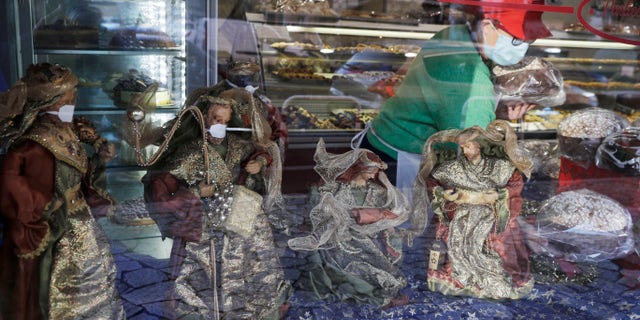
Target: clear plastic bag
(544, 155)
(580, 226)
(532, 80)
(620, 152)
(580, 134)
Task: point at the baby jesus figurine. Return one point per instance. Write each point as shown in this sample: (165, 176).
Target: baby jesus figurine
(476, 197)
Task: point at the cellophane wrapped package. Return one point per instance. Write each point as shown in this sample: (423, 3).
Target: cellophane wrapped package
(544, 155)
(532, 80)
(580, 134)
(580, 226)
(620, 152)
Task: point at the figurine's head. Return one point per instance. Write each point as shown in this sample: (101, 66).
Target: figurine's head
(46, 81)
(366, 167)
(469, 145)
(243, 74)
(51, 88)
(216, 117)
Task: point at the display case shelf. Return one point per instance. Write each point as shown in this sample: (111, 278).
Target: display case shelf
(110, 110)
(110, 52)
(103, 41)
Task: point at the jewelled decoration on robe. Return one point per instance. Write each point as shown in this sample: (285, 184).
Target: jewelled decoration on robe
(217, 207)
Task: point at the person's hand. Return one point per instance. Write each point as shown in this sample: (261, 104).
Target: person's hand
(518, 110)
(371, 215)
(513, 110)
(253, 166)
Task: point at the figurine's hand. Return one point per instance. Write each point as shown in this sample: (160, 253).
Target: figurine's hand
(388, 214)
(491, 196)
(371, 215)
(206, 190)
(450, 195)
(253, 166)
(107, 152)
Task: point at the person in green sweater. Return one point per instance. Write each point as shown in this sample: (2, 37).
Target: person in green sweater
(449, 86)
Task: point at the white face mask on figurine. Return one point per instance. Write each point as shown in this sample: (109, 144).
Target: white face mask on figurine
(504, 52)
(65, 113)
(218, 130)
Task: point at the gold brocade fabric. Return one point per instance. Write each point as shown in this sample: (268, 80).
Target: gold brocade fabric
(476, 269)
(238, 258)
(188, 162)
(61, 141)
(83, 271)
(250, 280)
(243, 212)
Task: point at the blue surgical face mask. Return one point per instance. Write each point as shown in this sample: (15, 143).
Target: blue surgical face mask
(65, 113)
(504, 52)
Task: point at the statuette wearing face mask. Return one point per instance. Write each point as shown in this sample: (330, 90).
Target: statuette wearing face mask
(65, 113)
(218, 130)
(217, 117)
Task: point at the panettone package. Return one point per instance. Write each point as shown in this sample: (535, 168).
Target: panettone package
(580, 134)
(581, 226)
(620, 152)
(532, 80)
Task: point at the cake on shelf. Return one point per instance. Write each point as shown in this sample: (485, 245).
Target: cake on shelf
(133, 83)
(61, 35)
(141, 38)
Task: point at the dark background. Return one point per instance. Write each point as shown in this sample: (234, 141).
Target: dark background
(4, 50)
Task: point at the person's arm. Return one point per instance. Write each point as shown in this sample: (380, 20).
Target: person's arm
(27, 184)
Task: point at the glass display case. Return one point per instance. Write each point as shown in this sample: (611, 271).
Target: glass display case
(118, 49)
(311, 60)
(362, 55)
(328, 66)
